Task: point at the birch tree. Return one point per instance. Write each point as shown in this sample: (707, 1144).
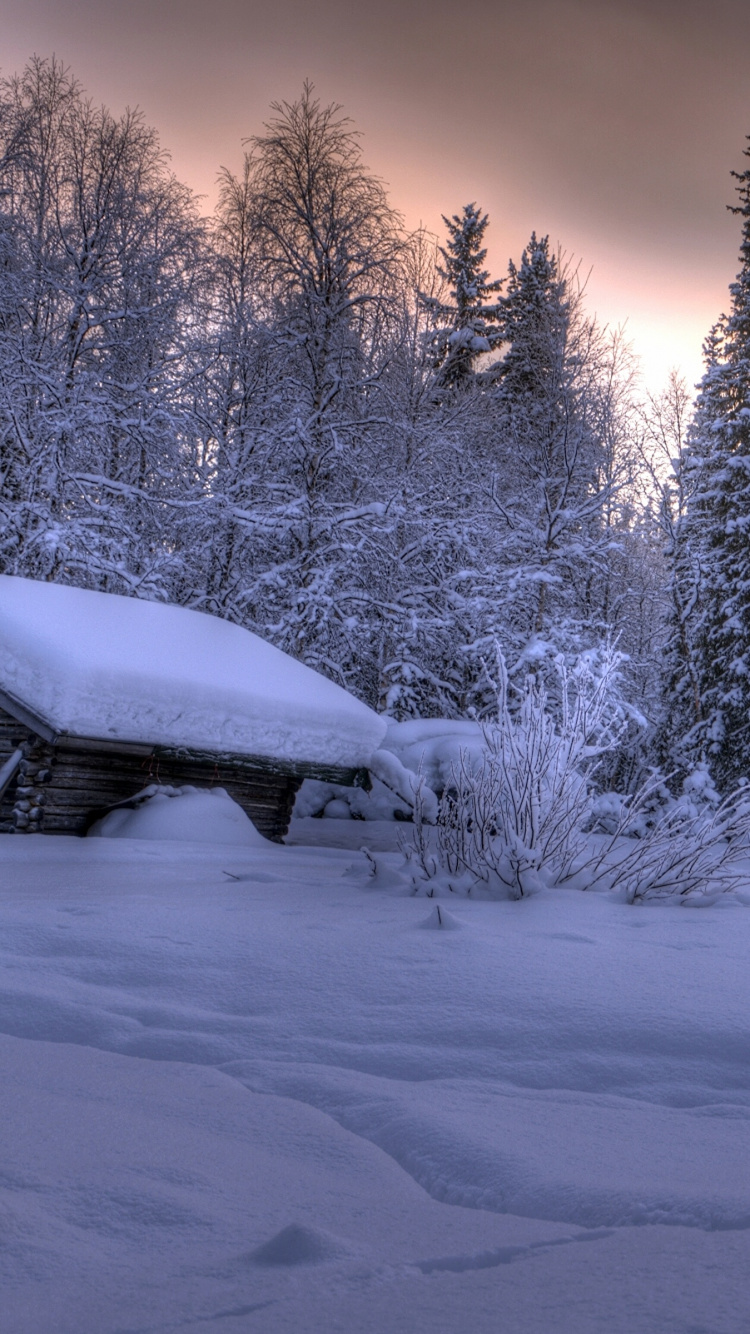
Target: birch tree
(103, 256)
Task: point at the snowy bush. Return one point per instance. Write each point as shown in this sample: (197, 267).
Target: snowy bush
(513, 817)
(693, 849)
(522, 813)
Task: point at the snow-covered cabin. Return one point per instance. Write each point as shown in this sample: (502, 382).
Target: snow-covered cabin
(102, 695)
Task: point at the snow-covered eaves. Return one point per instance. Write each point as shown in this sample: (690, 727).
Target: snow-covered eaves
(77, 664)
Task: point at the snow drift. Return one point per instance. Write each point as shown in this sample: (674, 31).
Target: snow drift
(186, 814)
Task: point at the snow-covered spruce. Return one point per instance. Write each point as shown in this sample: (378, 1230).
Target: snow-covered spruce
(711, 562)
(470, 322)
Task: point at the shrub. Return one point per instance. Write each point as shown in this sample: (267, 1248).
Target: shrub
(513, 818)
(519, 815)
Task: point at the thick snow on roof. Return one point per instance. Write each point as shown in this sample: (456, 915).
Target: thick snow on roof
(99, 665)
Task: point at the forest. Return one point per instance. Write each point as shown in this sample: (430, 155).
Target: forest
(418, 1006)
(356, 441)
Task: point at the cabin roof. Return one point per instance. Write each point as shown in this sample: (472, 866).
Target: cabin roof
(100, 666)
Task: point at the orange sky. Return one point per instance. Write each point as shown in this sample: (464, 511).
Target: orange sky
(612, 125)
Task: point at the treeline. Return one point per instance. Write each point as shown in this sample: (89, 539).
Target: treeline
(349, 438)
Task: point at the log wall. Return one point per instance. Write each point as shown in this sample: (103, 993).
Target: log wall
(63, 788)
(12, 735)
(86, 784)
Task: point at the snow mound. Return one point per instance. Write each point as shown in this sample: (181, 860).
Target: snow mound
(100, 665)
(336, 809)
(336, 801)
(297, 1245)
(187, 814)
(440, 920)
(416, 758)
(433, 747)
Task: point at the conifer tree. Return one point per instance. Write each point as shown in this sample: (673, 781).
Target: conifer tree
(468, 324)
(552, 483)
(717, 528)
(537, 317)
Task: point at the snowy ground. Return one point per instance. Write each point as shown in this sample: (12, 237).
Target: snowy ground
(284, 1102)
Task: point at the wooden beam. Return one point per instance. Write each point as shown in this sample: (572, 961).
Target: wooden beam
(348, 776)
(27, 716)
(9, 769)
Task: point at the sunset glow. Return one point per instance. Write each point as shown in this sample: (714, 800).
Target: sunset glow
(612, 127)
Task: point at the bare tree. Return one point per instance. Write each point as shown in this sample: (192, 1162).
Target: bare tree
(326, 252)
(665, 424)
